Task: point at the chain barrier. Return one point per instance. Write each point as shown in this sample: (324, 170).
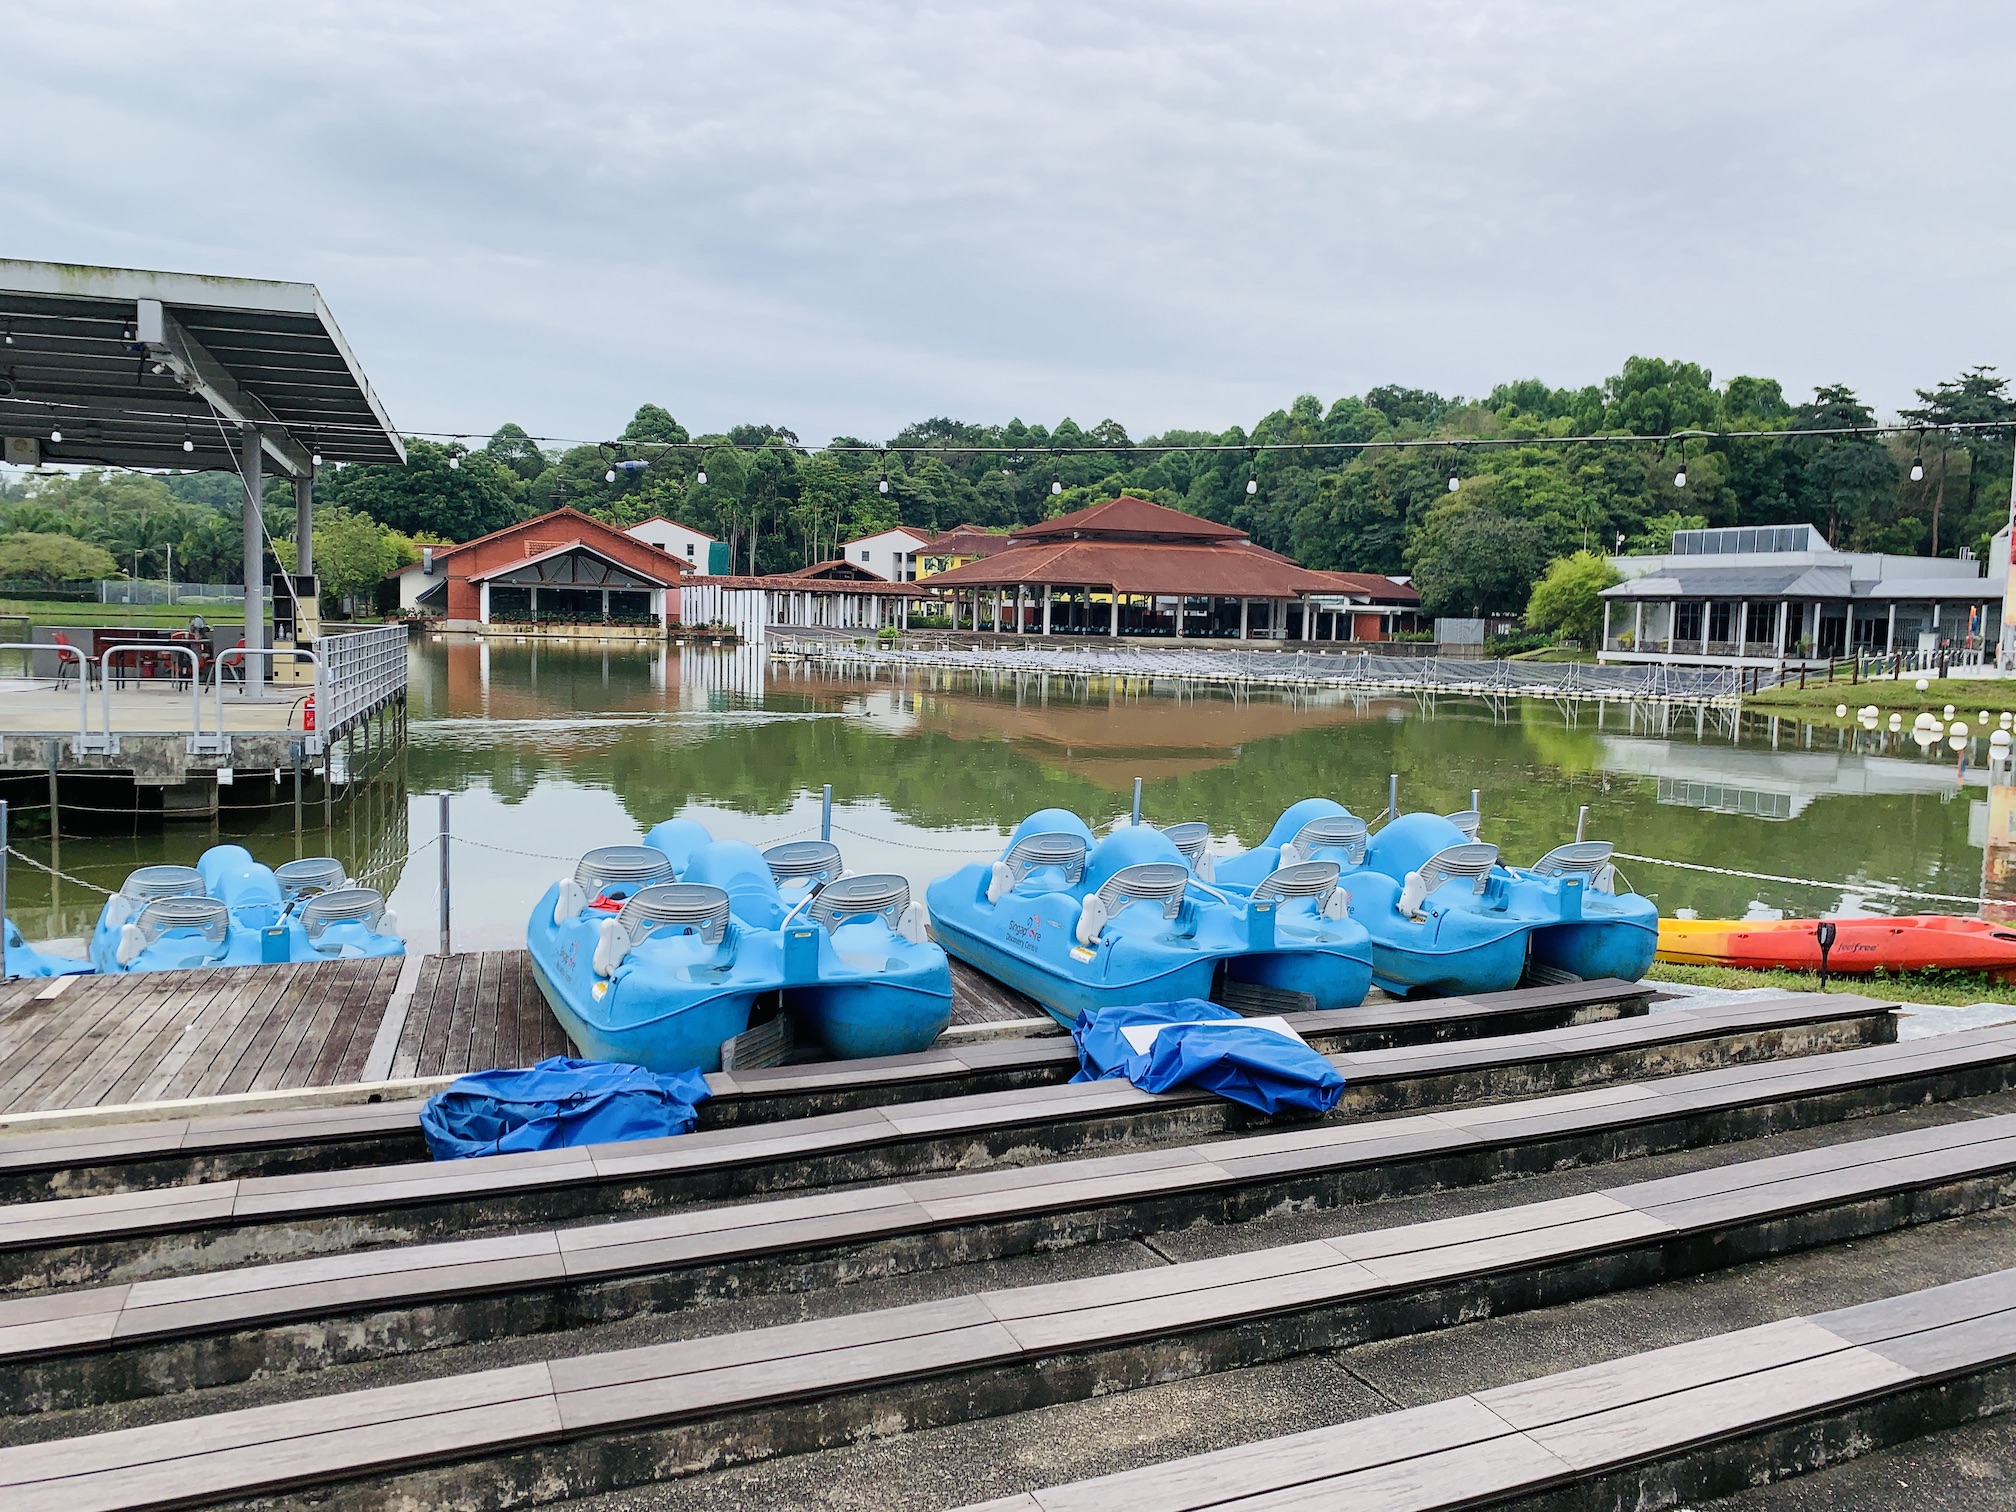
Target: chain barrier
(992, 850)
(61, 876)
(1887, 888)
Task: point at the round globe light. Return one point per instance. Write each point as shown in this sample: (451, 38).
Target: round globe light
(1923, 685)
(1840, 711)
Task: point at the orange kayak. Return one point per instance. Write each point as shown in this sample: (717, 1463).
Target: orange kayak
(1911, 942)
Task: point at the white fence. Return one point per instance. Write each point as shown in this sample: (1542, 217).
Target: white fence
(150, 591)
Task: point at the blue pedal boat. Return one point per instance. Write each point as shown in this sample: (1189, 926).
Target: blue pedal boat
(1311, 944)
(654, 954)
(1421, 888)
(24, 960)
(1079, 924)
(1581, 924)
(230, 910)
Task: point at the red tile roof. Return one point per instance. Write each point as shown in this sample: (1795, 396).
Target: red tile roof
(1128, 519)
(1225, 569)
(967, 540)
(1370, 585)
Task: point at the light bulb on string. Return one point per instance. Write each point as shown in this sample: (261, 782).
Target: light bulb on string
(315, 458)
(1252, 482)
(1056, 484)
(607, 477)
(1680, 472)
(56, 434)
(189, 445)
(882, 483)
(701, 477)
(1454, 481)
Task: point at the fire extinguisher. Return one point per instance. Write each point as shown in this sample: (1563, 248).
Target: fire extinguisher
(308, 713)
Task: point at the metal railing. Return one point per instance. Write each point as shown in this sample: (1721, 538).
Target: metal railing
(83, 676)
(197, 740)
(1659, 681)
(155, 591)
(242, 653)
(361, 672)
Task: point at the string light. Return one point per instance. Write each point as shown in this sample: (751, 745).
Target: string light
(1252, 476)
(1918, 460)
(189, 446)
(882, 483)
(1056, 483)
(702, 475)
(455, 461)
(1680, 472)
(1454, 481)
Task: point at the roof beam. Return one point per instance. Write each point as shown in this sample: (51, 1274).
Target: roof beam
(165, 340)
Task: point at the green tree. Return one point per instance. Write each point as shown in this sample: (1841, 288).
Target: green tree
(1567, 602)
(460, 503)
(43, 558)
(1470, 561)
(353, 554)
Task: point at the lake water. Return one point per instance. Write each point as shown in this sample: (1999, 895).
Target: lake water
(548, 749)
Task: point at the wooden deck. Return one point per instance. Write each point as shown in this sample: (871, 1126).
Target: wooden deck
(81, 1042)
(84, 1042)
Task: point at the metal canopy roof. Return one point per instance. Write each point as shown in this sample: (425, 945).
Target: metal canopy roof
(128, 364)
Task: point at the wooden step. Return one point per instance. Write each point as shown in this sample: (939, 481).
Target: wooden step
(77, 1162)
(80, 1346)
(1690, 1422)
(135, 1235)
(596, 1422)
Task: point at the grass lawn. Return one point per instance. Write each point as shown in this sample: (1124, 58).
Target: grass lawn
(1817, 701)
(1954, 988)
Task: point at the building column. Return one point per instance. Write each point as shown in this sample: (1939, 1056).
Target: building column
(1890, 631)
(482, 603)
(1638, 626)
(1245, 616)
(255, 564)
(1672, 622)
(1606, 626)
(1021, 609)
(1044, 588)
(1114, 631)
(1742, 626)
(1784, 614)
(1848, 630)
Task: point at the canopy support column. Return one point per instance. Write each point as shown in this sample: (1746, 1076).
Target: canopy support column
(304, 525)
(1045, 588)
(252, 465)
(1115, 630)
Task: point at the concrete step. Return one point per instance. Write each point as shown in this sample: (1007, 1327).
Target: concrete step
(72, 1159)
(581, 1424)
(1650, 1430)
(139, 1235)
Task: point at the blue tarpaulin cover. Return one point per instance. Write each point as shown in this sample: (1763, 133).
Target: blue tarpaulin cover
(1224, 1054)
(557, 1103)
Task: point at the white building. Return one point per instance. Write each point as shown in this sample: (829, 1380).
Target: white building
(675, 540)
(892, 555)
(1769, 595)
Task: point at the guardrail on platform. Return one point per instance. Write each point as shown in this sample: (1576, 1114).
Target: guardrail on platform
(361, 672)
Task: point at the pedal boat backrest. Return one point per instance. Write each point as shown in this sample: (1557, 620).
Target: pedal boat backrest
(882, 895)
(342, 905)
(162, 882)
(1189, 837)
(626, 866)
(209, 917)
(308, 876)
(813, 862)
(1589, 859)
(1058, 848)
(690, 907)
(1159, 882)
(1345, 832)
(1473, 859)
(1307, 879)
(1467, 820)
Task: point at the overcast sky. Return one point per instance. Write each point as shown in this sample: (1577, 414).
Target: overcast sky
(846, 217)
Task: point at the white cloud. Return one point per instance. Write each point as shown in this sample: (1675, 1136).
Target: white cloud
(846, 216)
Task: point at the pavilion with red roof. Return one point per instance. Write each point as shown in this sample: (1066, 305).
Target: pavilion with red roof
(1133, 567)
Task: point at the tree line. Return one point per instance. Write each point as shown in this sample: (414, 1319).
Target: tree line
(1318, 493)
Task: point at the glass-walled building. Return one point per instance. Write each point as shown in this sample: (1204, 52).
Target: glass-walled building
(1779, 594)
